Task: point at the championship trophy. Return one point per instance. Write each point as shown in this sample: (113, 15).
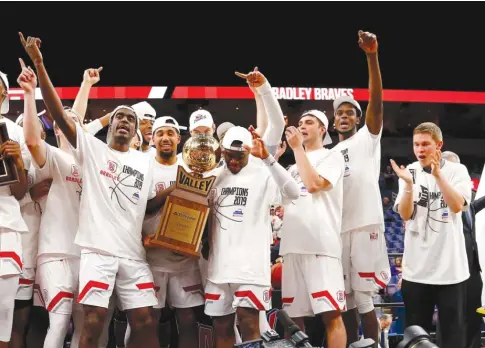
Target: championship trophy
(8, 169)
(186, 209)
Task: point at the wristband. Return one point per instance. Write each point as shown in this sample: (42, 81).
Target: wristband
(269, 161)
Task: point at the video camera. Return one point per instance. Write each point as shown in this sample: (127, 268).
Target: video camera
(271, 339)
(416, 337)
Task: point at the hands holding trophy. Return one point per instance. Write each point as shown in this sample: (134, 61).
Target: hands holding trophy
(186, 210)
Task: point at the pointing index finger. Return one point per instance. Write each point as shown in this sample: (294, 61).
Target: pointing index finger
(243, 76)
(22, 39)
(22, 64)
(100, 69)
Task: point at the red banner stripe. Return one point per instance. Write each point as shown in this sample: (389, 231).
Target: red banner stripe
(242, 92)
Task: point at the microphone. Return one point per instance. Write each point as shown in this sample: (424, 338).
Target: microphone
(297, 336)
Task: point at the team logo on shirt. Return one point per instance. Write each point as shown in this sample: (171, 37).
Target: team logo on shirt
(230, 198)
(112, 166)
(30, 180)
(341, 296)
(427, 200)
(160, 187)
(345, 154)
(238, 213)
(126, 185)
(384, 275)
(75, 170)
(266, 296)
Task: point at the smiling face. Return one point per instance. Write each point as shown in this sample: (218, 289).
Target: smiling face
(123, 126)
(166, 140)
(346, 118)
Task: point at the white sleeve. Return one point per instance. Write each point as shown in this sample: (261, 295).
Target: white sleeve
(462, 182)
(332, 168)
(286, 184)
(93, 127)
(402, 185)
(276, 121)
(46, 171)
(370, 141)
(26, 156)
(152, 190)
(84, 142)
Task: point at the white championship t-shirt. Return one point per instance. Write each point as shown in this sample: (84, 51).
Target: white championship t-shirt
(164, 260)
(240, 226)
(116, 188)
(434, 244)
(362, 199)
(31, 213)
(61, 216)
(10, 217)
(312, 223)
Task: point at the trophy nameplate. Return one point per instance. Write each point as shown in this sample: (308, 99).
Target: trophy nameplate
(184, 214)
(8, 169)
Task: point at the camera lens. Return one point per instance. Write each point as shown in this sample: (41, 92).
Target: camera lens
(416, 337)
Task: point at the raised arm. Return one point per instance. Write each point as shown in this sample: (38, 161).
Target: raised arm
(374, 114)
(313, 181)
(456, 194)
(90, 78)
(32, 131)
(288, 187)
(49, 94)
(405, 204)
(275, 119)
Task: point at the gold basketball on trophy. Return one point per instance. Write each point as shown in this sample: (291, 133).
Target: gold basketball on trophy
(199, 153)
(186, 210)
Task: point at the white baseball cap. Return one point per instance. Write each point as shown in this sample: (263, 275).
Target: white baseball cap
(5, 105)
(238, 134)
(166, 121)
(144, 111)
(323, 118)
(223, 128)
(200, 118)
(346, 99)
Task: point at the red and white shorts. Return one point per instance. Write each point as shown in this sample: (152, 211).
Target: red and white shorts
(25, 289)
(100, 274)
(312, 284)
(365, 260)
(10, 253)
(182, 289)
(223, 299)
(10, 270)
(56, 285)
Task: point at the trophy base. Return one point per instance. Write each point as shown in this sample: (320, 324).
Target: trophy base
(175, 248)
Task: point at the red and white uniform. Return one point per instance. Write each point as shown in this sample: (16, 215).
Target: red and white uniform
(365, 260)
(311, 248)
(177, 277)
(12, 226)
(31, 213)
(116, 188)
(58, 259)
(240, 236)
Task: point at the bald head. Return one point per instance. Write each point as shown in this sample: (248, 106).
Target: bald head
(450, 156)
